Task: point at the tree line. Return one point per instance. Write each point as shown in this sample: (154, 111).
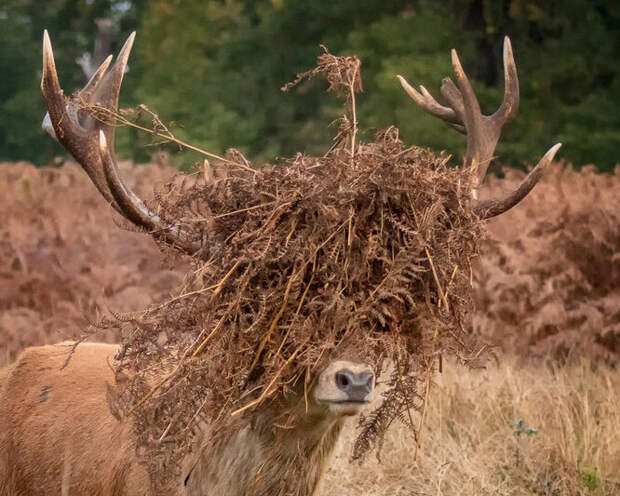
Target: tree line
(213, 70)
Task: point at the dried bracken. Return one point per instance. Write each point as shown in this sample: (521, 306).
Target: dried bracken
(64, 260)
(549, 278)
(342, 73)
(94, 261)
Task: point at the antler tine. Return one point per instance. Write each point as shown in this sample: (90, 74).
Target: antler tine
(453, 95)
(106, 94)
(134, 209)
(91, 141)
(463, 112)
(491, 208)
(50, 86)
(95, 79)
(510, 105)
(85, 92)
(482, 134)
(64, 119)
(425, 100)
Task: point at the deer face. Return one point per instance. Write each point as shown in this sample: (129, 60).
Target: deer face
(345, 387)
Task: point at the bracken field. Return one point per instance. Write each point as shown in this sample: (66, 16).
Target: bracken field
(543, 416)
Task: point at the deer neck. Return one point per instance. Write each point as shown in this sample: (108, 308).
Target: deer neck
(278, 454)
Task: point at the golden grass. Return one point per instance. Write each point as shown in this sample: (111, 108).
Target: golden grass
(470, 447)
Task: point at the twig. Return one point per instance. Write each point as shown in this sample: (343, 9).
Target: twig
(274, 322)
(166, 430)
(243, 210)
(354, 112)
(301, 301)
(117, 117)
(167, 377)
(451, 279)
(439, 288)
(221, 321)
(220, 285)
(429, 370)
(275, 377)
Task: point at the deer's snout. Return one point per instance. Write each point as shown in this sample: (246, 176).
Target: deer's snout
(356, 386)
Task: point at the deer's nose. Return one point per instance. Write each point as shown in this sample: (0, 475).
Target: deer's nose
(356, 386)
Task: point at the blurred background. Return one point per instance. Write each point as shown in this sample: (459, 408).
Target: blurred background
(214, 70)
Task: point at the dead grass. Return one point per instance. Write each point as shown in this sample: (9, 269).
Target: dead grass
(469, 443)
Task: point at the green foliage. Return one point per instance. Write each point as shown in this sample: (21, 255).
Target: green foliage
(214, 69)
(590, 478)
(71, 24)
(521, 428)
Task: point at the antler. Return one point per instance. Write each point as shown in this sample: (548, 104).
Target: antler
(482, 131)
(91, 141)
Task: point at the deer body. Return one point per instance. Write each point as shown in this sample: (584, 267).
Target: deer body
(58, 436)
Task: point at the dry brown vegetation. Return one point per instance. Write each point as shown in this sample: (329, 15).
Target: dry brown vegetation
(364, 251)
(304, 264)
(548, 282)
(470, 446)
(64, 260)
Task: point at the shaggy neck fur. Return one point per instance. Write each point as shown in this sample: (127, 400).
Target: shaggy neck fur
(277, 455)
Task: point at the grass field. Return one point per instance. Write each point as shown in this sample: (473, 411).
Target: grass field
(470, 445)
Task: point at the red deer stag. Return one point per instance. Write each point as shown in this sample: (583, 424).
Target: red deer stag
(57, 435)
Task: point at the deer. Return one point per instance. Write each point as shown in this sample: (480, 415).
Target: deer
(57, 433)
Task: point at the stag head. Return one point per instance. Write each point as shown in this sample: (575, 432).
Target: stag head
(91, 141)
(342, 388)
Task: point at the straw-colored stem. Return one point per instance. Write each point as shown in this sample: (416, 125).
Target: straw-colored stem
(354, 112)
(167, 136)
(266, 391)
(274, 322)
(429, 370)
(220, 285)
(436, 277)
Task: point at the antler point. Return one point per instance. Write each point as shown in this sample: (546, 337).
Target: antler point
(553, 150)
(103, 143)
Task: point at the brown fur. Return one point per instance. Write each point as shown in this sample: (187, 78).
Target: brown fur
(56, 429)
(57, 436)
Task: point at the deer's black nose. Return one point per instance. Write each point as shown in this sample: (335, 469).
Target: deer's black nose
(356, 386)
